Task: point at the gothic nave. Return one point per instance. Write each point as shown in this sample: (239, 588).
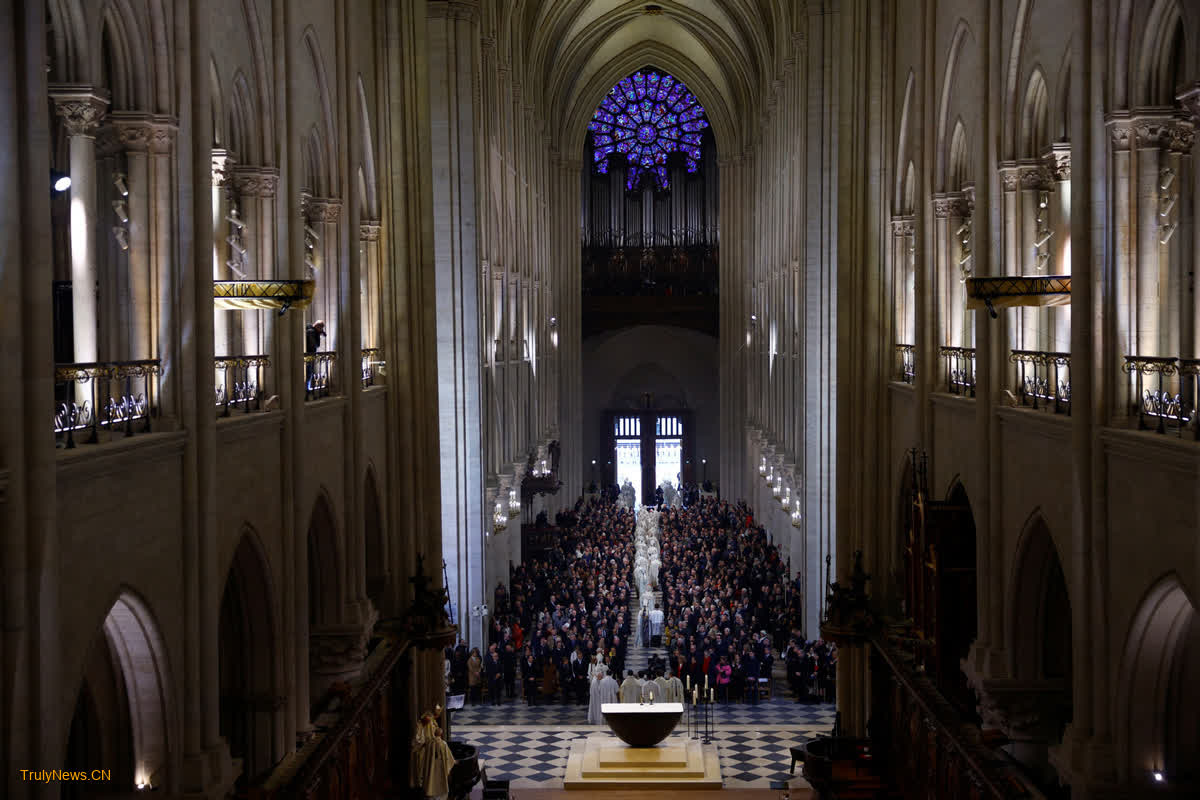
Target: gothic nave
(370, 323)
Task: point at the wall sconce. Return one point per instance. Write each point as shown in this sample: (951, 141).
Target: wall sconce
(499, 518)
(553, 322)
(1167, 197)
(786, 500)
(514, 503)
(762, 468)
(796, 518)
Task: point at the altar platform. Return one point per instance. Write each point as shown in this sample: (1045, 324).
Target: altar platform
(604, 761)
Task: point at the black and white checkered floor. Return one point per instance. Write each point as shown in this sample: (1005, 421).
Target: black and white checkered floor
(529, 746)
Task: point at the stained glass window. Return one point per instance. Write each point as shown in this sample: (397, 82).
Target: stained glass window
(644, 118)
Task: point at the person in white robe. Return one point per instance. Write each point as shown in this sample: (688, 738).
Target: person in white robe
(674, 690)
(594, 716)
(606, 692)
(656, 625)
(631, 691)
(652, 692)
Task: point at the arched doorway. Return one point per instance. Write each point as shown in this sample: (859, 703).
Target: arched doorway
(250, 700)
(121, 719)
(1040, 641)
(376, 560)
(323, 566)
(1159, 697)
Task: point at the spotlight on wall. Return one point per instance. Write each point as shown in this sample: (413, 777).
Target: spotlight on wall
(119, 182)
(122, 212)
(754, 317)
(59, 181)
(122, 237)
(1159, 777)
(554, 322)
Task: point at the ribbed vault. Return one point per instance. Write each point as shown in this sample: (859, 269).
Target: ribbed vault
(569, 53)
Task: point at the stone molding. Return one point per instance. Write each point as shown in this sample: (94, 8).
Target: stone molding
(1009, 176)
(1190, 100)
(1181, 137)
(369, 231)
(256, 181)
(324, 209)
(950, 204)
(1036, 176)
(81, 108)
(1058, 160)
(453, 9)
(903, 226)
(223, 162)
(1120, 131)
(1152, 132)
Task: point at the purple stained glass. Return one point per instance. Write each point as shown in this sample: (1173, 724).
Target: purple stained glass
(645, 117)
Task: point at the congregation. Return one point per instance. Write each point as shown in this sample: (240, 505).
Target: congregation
(561, 629)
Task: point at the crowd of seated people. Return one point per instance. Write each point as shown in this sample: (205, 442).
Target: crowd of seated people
(564, 616)
(728, 607)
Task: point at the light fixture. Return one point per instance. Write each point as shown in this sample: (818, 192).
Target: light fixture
(553, 322)
(796, 519)
(1159, 777)
(786, 500)
(1165, 178)
(499, 517)
(59, 181)
(754, 317)
(122, 237)
(122, 212)
(119, 182)
(514, 503)
(762, 468)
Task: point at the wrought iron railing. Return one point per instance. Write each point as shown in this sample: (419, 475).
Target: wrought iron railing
(372, 366)
(960, 370)
(320, 378)
(907, 358)
(1163, 392)
(1043, 379)
(117, 397)
(239, 383)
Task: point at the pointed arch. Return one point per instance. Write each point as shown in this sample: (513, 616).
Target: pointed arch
(1161, 57)
(1039, 618)
(264, 96)
(909, 199)
(70, 62)
(958, 159)
(217, 101)
(902, 203)
(1157, 699)
(249, 665)
(370, 190)
(329, 132)
(243, 121)
(1035, 116)
(324, 564)
(962, 34)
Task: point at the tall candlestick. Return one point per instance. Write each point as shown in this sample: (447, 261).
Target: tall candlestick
(689, 683)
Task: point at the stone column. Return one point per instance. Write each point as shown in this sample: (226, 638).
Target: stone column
(372, 281)
(1150, 133)
(1120, 130)
(134, 133)
(1190, 100)
(454, 52)
(1177, 252)
(81, 109)
(323, 215)
(223, 162)
(256, 188)
(165, 330)
(1058, 163)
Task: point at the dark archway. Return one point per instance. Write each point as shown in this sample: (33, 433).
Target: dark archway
(101, 735)
(324, 566)
(250, 699)
(376, 559)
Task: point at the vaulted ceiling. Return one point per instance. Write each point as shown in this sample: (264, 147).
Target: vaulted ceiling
(569, 53)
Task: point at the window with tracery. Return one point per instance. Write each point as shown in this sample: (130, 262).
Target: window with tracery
(645, 118)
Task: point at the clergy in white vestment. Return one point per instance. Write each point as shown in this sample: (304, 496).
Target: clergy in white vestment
(656, 624)
(631, 689)
(604, 690)
(674, 690)
(652, 692)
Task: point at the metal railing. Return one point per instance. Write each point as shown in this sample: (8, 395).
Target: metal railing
(960, 370)
(907, 362)
(1043, 379)
(239, 383)
(1170, 399)
(320, 374)
(117, 397)
(373, 366)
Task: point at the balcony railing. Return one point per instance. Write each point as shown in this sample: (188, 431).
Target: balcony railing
(1043, 379)
(372, 366)
(1163, 392)
(239, 383)
(116, 397)
(960, 370)
(905, 354)
(320, 374)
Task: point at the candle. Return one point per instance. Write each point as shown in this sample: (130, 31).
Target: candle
(712, 695)
(689, 683)
(706, 680)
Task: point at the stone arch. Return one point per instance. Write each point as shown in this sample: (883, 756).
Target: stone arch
(1161, 59)
(1035, 116)
(124, 713)
(370, 190)
(315, 167)
(374, 539)
(329, 133)
(1039, 603)
(958, 619)
(1157, 697)
(903, 161)
(958, 159)
(324, 565)
(251, 697)
(264, 96)
(243, 121)
(962, 34)
(217, 104)
(909, 198)
(1012, 77)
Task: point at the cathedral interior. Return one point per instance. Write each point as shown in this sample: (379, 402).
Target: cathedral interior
(359, 320)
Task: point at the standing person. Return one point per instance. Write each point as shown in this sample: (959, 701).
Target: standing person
(313, 335)
(474, 676)
(579, 677)
(644, 627)
(656, 626)
(594, 716)
(529, 670)
(508, 663)
(723, 673)
(494, 673)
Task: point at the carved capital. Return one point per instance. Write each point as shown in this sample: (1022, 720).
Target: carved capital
(1120, 131)
(81, 108)
(453, 9)
(951, 204)
(256, 181)
(1181, 136)
(1009, 177)
(133, 131)
(162, 134)
(369, 231)
(1151, 132)
(323, 209)
(903, 226)
(223, 163)
(1058, 161)
(1036, 176)
(1190, 100)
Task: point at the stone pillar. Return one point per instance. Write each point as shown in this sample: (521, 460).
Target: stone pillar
(1177, 252)
(224, 321)
(165, 330)
(1120, 130)
(1007, 326)
(1150, 278)
(134, 132)
(81, 109)
(454, 52)
(1058, 163)
(372, 282)
(1190, 99)
(323, 215)
(256, 188)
